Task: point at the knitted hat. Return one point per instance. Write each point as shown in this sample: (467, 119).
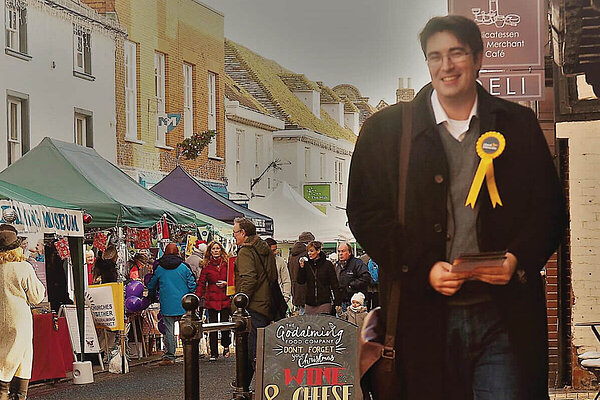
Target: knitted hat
(306, 237)
(358, 297)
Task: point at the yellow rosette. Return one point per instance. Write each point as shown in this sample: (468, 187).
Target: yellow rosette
(489, 146)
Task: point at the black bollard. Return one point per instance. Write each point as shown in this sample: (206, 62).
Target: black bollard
(190, 330)
(241, 318)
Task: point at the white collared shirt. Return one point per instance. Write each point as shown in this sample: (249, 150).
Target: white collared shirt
(456, 128)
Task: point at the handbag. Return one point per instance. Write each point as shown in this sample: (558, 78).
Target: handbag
(278, 305)
(379, 375)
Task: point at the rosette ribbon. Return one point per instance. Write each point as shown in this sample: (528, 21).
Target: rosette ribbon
(489, 146)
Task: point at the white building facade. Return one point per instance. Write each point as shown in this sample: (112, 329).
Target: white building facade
(314, 159)
(249, 151)
(58, 77)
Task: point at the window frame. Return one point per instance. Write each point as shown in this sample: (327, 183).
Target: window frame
(131, 105)
(82, 35)
(306, 162)
(21, 100)
(188, 100)
(212, 111)
(338, 178)
(88, 118)
(14, 142)
(160, 86)
(16, 36)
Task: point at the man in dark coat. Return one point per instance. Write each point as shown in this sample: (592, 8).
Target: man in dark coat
(353, 274)
(297, 252)
(500, 310)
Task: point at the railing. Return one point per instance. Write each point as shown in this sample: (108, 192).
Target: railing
(191, 330)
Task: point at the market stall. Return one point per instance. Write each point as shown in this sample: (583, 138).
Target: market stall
(183, 189)
(293, 214)
(119, 210)
(32, 213)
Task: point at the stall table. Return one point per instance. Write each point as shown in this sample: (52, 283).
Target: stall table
(52, 353)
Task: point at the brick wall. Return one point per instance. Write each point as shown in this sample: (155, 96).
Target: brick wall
(584, 207)
(185, 31)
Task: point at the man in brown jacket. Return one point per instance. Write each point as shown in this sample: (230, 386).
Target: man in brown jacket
(255, 267)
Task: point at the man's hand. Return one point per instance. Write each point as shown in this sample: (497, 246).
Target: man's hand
(444, 281)
(497, 275)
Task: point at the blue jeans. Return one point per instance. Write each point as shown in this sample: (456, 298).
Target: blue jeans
(257, 320)
(170, 336)
(480, 362)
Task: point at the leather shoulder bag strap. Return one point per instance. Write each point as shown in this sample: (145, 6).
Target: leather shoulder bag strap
(388, 353)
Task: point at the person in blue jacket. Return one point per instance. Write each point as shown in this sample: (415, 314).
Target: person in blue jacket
(174, 279)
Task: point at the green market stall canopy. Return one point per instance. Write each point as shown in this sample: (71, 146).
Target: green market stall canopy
(81, 177)
(34, 212)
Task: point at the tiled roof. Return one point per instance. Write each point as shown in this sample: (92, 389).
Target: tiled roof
(235, 92)
(261, 79)
(365, 109)
(328, 95)
(298, 82)
(349, 106)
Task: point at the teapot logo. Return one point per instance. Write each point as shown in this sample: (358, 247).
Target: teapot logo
(493, 16)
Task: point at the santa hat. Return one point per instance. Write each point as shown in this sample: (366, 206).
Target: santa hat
(358, 297)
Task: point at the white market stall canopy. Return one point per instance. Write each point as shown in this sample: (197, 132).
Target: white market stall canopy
(292, 215)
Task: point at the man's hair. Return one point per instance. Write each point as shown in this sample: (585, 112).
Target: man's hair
(315, 244)
(245, 224)
(347, 245)
(465, 30)
(172, 248)
(271, 242)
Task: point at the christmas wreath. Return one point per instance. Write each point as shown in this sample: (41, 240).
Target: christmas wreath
(190, 148)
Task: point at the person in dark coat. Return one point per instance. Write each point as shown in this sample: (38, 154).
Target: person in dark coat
(212, 287)
(297, 252)
(56, 279)
(353, 275)
(105, 269)
(506, 304)
(318, 273)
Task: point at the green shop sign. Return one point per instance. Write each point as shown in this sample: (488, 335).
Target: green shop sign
(320, 193)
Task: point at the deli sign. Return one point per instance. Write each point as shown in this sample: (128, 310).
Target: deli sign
(513, 34)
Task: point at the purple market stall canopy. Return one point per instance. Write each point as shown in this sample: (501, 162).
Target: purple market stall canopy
(183, 189)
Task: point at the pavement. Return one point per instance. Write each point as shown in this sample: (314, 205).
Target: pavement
(148, 380)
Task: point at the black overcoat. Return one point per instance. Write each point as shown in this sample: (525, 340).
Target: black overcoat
(530, 225)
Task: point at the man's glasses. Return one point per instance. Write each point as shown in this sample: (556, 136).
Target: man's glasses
(238, 231)
(456, 56)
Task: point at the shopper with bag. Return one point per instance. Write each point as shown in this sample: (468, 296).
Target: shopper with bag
(212, 288)
(477, 334)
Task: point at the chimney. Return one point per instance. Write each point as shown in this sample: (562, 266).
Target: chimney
(404, 94)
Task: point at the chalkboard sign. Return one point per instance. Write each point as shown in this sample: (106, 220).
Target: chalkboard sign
(308, 357)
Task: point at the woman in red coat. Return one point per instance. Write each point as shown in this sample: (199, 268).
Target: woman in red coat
(212, 286)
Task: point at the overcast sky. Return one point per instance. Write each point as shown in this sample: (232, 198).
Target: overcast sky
(367, 43)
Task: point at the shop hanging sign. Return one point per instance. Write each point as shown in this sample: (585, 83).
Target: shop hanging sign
(167, 122)
(308, 357)
(35, 218)
(317, 193)
(514, 35)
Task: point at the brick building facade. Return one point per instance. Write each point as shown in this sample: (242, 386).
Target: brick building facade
(173, 64)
